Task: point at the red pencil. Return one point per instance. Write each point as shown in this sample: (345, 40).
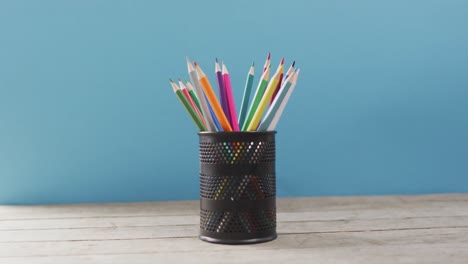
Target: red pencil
(267, 63)
(279, 84)
(192, 103)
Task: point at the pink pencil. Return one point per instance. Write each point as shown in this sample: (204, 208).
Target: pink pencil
(230, 99)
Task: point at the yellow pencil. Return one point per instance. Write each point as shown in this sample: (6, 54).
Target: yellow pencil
(265, 99)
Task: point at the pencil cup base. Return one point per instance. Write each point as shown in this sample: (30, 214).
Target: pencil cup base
(238, 241)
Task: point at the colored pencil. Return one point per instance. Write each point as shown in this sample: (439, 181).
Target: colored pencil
(265, 99)
(260, 112)
(270, 115)
(193, 95)
(210, 95)
(190, 100)
(246, 97)
(188, 107)
(215, 120)
(222, 89)
(230, 99)
(279, 84)
(257, 97)
(278, 114)
(267, 63)
(290, 70)
(195, 99)
(201, 97)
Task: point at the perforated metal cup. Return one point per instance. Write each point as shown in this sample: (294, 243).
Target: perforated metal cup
(237, 187)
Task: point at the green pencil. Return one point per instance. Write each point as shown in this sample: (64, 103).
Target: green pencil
(193, 95)
(257, 98)
(187, 106)
(246, 97)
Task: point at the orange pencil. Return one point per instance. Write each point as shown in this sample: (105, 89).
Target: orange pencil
(211, 96)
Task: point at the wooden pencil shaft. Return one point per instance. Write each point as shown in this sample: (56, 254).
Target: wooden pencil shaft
(193, 105)
(263, 102)
(195, 99)
(245, 100)
(230, 100)
(210, 95)
(222, 93)
(203, 102)
(285, 101)
(257, 97)
(270, 115)
(189, 109)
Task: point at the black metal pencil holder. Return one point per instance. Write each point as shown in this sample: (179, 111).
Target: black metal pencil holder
(237, 187)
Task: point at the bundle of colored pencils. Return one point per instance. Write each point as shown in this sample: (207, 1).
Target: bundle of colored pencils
(218, 113)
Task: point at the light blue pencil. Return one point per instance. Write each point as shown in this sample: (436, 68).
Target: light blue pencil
(280, 100)
(278, 114)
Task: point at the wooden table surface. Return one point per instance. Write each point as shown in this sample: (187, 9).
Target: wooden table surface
(381, 229)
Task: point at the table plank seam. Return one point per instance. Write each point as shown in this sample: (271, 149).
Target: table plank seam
(196, 224)
(279, 233)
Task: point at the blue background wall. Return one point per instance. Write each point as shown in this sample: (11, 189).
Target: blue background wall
(87, 114)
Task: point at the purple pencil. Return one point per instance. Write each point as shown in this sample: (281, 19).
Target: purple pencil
(222, 90)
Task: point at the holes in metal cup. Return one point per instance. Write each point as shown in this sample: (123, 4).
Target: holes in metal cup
(236, 188)
(239, 152)
(238, 222)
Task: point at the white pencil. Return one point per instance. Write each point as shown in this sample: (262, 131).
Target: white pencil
(273, 123)
(275, 105)
(201, 97)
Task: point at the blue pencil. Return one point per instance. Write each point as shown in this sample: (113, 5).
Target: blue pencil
(215, 120)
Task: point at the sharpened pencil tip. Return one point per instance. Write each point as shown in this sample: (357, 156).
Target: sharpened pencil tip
(195, 63)
(186, 81)
(253, 64)
(269, 54)
(294, 63)
(216, 59)
(189, 64)
(282, 61)
(181, 84)
(296, 75)
(170, 80)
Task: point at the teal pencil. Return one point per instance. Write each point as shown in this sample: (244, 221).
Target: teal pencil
(257, 98)
(246, 97)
